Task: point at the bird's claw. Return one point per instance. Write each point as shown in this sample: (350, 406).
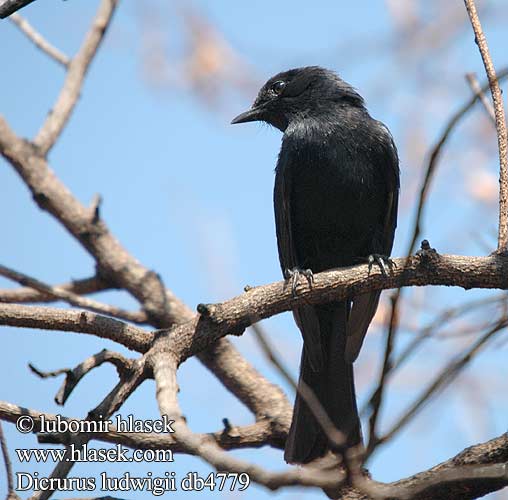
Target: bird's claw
(383, 261)
(294, 276)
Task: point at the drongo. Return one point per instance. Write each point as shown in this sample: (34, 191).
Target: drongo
(336, 196)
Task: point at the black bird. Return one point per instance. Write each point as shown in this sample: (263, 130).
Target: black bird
(336, 195)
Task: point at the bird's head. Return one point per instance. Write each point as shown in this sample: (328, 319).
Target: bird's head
(299, 93)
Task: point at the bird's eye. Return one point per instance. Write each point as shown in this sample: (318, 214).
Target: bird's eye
(278, 87)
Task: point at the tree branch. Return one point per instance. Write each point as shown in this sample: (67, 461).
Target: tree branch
(8, 465)
(39, 41)
(51, 318)
(444, 378)
(79, 287)
(164, 368)
(71, 297)
(393, 321)
(123, 365)
(77, 68)
(475, 87)
(118, 266)
(233, 316)
(502, 137)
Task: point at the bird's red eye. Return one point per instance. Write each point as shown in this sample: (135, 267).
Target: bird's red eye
(278, 87)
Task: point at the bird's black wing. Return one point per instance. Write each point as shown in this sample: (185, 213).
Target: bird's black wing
(305, 316)
(364, 306)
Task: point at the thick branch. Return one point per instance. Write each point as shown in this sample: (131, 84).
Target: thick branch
(164, 368)
(51, 318)
(162, 306)
(467, 483)
(236, 314)
(113, 260)
(248, 436)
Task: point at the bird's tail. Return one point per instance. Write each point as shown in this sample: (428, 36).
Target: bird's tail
(333, 384)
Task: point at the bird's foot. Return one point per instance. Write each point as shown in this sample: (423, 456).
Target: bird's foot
(294, 277)
(383, 261)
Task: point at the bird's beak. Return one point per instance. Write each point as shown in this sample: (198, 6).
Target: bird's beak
(253, 115)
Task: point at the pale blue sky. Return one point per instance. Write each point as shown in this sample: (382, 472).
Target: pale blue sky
(191, 197)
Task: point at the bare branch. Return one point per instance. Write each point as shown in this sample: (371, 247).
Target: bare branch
(51, 318)
(109, 405)
(161, 305)
(432, 163)
(448, 374)
(123, 365)
(256, 435)
(71, 297)
(112, 259)
(38, 40)
(475, 87)
(62, 109)
(79, 287)
(7, 463)
(233, 316)
(502, 136)
(438, 483)
(164, 369)
(376, 399)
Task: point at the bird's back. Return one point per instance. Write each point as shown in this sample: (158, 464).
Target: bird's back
(336, 187)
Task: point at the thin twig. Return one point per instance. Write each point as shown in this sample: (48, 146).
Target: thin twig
(29, 295)
(432, 163)
(72, 377)
(435, 155)
(66, 101)
(475, 87)
(7, 463)
(447, 375)
(502, 136)
(109, 405)
(71, 297)
(377, 398)
(39, 41)
(429, 331)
